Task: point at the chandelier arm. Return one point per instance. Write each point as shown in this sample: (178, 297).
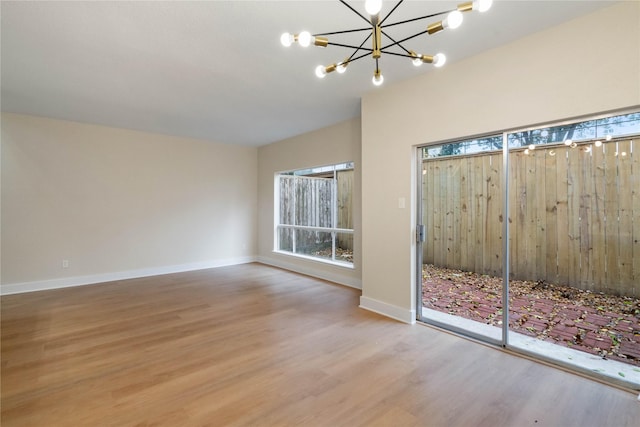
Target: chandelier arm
(400, 54)
(417, 19)
(350, 46)
(342, 32)
(389, 14)
(397, 43)
(404, 40)
(355, 11)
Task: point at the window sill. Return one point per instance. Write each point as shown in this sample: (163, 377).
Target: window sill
(342, 264)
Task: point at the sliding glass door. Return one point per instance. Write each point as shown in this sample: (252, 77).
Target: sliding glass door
(461, 209)
(532, 241)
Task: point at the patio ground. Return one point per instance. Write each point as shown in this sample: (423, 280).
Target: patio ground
(605, 325)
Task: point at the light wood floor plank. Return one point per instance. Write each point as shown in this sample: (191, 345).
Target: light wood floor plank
(255, 345)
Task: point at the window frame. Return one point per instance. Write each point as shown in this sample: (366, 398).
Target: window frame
(305, 173)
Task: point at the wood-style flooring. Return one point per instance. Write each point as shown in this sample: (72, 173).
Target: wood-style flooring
(253, 345)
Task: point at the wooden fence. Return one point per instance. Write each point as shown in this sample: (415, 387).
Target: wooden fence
(308, 201)
(574, 215)
(345, 199)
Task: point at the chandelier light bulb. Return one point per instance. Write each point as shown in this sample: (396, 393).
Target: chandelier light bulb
(373, 7)
(439, 60)
(598, 143)
(342, 67)
(286, 39)
(304, 38)
(532, 147)
(454, 20)
(608, 138)
(568, 142)
(320, 71)
(482, 5)
(377, 79)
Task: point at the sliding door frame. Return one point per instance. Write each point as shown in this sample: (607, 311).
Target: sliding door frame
(421, 233)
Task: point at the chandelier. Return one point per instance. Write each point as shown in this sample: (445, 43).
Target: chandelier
(376, 29)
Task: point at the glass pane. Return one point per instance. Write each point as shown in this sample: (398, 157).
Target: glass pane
(628, 124)
(472, 146)
(287, 197)
(285, 239)
(462, 254)
(573, 293)
(344, 247)
(314, 243)
(314, 202)
(616, 126)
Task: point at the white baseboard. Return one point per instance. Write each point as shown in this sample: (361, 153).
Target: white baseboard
(66, 282)
(313, 272)
(389, 310)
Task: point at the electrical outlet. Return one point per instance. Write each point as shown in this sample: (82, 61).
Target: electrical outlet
(65, 263)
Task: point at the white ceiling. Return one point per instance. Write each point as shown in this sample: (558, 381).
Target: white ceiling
(216, 70)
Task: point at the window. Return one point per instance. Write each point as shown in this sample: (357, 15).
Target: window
(604, 128)
(314, 213)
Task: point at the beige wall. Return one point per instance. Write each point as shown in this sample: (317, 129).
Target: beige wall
(585, 66)
(335, 144)
(113, 200)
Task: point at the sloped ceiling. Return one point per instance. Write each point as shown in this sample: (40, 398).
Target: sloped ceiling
(216, 70)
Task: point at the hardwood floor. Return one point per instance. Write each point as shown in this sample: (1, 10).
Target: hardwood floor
(255, 345)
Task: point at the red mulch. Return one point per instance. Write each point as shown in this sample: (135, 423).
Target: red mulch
(605, 325)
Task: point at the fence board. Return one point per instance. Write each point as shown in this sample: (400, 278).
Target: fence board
(541, 217)
(428, 193)
(528, 269)
(466, 240)
(520, 215)
(479, 204)
(625, 257)
(551, 216)
(586, 219)
(493, 235)
(454, 259)
(573, 214)
(447, 217)
(562, 185)
(635, 234)
(438, 214)
(598, 223)
(514, 196)
(611, 216)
